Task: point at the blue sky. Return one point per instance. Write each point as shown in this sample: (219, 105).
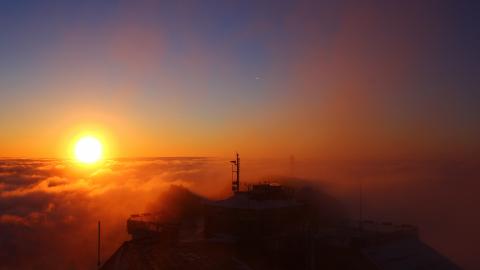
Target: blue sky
(337, 77)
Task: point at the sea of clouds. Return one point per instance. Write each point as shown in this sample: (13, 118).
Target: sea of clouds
(49, 208)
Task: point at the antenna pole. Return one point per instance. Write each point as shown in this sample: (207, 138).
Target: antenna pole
(236, 172)
(361, 204)
(98, 250)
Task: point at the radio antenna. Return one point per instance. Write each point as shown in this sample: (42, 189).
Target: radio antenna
(236, 174)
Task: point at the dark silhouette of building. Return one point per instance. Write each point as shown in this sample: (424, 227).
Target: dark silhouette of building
(270, 226)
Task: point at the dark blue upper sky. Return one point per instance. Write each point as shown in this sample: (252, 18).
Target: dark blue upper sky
(392, 77)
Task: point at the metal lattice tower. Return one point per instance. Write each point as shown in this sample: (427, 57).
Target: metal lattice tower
(236, 174)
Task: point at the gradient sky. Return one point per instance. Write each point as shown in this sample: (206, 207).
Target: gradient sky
(329, 79)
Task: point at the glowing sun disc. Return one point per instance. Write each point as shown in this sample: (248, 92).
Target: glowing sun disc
(88, 150)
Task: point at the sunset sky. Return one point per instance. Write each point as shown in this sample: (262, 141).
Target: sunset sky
(326, 79)
(381, 97)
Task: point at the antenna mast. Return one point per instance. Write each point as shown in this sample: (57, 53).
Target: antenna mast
(360, 204)
(98, 250)
(236, 174)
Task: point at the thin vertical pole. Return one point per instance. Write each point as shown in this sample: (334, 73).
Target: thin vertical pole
(238, 172)
(361, 204)
(98, 245)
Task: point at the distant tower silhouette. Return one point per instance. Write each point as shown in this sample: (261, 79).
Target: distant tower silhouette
(292, 165)
(236, 174)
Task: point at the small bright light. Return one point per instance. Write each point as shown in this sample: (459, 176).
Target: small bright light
(88, 150)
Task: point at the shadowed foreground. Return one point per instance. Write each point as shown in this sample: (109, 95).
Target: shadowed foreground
(268, 227)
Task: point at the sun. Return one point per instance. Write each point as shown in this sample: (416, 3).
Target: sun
(88, 150)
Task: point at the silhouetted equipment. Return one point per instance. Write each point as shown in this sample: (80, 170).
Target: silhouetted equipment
(264, 211)
(236, 174)
(98, 246)
(271, 226)
(153, 226)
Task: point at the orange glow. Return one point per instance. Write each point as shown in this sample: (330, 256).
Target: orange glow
(88, 150)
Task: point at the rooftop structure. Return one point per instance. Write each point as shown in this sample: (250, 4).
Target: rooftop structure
(150, 225)
(266, 227)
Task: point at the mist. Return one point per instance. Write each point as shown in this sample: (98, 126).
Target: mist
(49, 208)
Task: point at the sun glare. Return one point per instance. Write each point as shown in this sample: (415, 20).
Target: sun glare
(88, 150)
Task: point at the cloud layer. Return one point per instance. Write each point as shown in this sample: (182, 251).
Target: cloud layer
(49, 208)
